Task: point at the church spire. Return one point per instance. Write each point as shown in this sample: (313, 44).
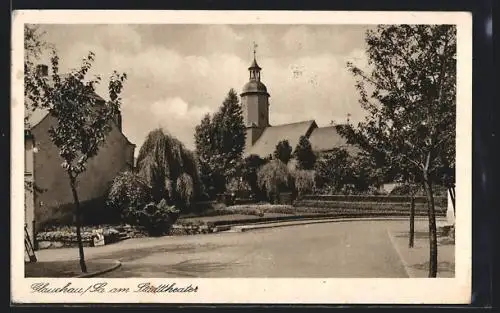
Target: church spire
(254, 69)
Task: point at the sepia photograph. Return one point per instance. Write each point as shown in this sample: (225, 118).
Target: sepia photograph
(161, 156)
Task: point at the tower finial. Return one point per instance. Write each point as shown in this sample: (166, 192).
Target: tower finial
(254, 49)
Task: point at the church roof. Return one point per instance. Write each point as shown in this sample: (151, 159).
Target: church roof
(254, 86)
(327, 138)
(322, 139)
(254, 65)
(267, 142)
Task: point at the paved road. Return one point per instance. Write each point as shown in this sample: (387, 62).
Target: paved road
(341, 249)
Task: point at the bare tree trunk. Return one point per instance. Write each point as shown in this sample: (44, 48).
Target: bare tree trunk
(432, 226)
(412, 222)
(83, 266)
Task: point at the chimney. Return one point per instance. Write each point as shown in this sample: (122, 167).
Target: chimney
(42, 70)
(118, 120)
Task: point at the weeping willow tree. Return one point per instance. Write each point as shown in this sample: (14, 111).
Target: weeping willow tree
(273, 177)
(169, 169)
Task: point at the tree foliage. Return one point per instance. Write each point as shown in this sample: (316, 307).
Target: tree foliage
(220, 140)
(249, 169)
(283, 151)
(273, 177)
(304, 154)
(304, 181)
(334, 171)
(34, 46)
(128, 193)
(409, 94)
(169, 169)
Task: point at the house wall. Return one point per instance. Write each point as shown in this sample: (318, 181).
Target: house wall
(54, 203)
(29, 193)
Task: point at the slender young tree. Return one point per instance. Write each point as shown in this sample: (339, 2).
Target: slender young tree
(409, 94)
(82, 119)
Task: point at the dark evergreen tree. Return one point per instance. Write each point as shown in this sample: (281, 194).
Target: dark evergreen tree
(220, 141)
(283, 151)
(304, 154)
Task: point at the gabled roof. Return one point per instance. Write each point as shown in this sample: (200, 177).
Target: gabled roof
(326, 138)
(267, 142)
(33, 118)
(36, 116)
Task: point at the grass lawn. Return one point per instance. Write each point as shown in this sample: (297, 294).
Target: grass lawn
(62, 269)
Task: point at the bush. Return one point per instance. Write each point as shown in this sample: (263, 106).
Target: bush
(249, 169)
(169, 169)
(157, 218)
(304, 181)
(185, 190)
(273, 177)
(128, 194)
(239, 187)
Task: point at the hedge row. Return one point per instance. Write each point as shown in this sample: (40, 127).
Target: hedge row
(338, 213)
(364, 205)
(441, 201)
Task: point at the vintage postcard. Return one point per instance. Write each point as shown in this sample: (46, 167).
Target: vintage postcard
(241, 157)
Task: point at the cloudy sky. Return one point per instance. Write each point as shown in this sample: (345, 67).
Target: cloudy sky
(178, 73)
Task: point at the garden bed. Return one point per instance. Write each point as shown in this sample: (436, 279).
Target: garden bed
(63, 236)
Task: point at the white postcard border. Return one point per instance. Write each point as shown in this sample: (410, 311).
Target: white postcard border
(288, 290)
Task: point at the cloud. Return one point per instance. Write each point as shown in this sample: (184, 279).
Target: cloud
(176, 74)
(174, 115)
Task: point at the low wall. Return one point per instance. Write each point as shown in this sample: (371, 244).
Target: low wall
(438, 201)
(393, 204)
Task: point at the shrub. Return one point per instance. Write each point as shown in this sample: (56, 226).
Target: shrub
(304, 181)
(185, 189)
(170, 170)
(273, 177)
(157, 218)
(249, 169)
(239, 187)
(128, 193)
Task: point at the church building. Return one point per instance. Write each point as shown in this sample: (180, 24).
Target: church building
(262, 137)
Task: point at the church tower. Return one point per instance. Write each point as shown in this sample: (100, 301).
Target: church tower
(255, 104)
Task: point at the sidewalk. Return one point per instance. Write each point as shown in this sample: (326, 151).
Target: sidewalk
(416, 259)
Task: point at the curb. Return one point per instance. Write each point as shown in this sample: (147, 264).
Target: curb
(406, 266)
(248, 227)
(116, 265)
